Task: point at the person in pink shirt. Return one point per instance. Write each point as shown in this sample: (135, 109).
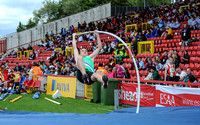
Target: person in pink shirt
(120, 70)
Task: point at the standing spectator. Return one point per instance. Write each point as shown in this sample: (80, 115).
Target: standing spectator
(190, 77)
(180, 74)
(47, 36)
(30, 47)
(120, 70)
(17, 68)
(127, 74)
(185, 35)
(101, 70)
(36, 69)
(170, 71)
(141, 64)
(134, 45)
(185, 57)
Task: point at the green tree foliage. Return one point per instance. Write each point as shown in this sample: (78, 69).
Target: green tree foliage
(52, 10)
(21, 27)
(30, 24)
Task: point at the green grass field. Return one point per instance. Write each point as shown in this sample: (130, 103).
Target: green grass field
(26, 103)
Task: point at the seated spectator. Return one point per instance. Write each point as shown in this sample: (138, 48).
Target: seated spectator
(121, 70)
(101, 70)
(155, 74)
(169, 33)
(28, 80)
(17, 68)
(177, 25)
(190, 77)
(52, 33)
(120, 54)
(29, 65)
(180, 74)
(185, 57)
(158, 66)
(71, 59)
(52, 71)
(65, 72)
(43, 44)
(46, 71)
(157, 31)
(112, 62)
(24, 69)
(93, 46)
(164, 57)
(172, 24)
(149, 76)
(141, 64)
(166, 24)
(109, 49)
(32, 56)
(149, 63)
(161, 23)
(110, 73)
(170, 71)
(11, 78)
(12, 53)
(141, 37)
(21, 80)
(80, 39)
(175, 60)
(193, 24)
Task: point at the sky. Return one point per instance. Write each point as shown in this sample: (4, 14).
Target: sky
(14, 11)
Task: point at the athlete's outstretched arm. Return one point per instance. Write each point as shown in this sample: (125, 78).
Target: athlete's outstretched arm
(74, 46)
(99, 46)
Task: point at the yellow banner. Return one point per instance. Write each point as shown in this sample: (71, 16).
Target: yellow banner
(66, 86)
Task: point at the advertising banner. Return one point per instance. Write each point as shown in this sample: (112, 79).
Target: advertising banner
(128, 94)
(177, 96)
(66, 86)
(159, 96)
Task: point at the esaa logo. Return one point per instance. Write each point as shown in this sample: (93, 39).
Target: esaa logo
(63, 87)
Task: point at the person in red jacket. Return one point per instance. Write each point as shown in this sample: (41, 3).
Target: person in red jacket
(28, 80)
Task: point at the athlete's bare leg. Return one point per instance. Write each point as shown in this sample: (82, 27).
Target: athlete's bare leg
(81, 65)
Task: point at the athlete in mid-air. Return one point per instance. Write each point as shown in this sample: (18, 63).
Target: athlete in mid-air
(85, 64)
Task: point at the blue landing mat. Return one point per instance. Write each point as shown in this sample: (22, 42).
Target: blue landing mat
(147, 116)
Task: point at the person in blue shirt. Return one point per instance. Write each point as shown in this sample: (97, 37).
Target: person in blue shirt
(141, 64)
(20, 83)
(161, 23)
